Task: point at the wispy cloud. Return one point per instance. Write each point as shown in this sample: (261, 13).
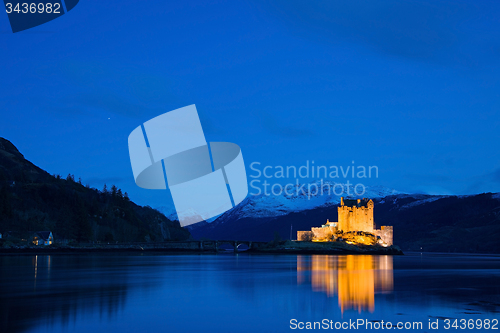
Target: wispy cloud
(445, 32)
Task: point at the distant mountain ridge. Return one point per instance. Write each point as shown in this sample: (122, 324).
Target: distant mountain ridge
(467, 223)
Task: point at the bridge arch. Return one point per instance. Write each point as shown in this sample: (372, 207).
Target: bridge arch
(243, 246)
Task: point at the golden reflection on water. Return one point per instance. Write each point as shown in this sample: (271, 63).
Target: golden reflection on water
(353, 278)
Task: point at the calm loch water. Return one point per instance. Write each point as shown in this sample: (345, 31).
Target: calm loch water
(246, 293)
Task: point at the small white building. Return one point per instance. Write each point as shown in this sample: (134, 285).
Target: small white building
(43, 238)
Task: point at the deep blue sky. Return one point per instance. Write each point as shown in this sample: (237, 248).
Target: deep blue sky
(410, 86)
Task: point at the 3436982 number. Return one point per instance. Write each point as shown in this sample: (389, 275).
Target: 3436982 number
(471, 324)
(33, 8)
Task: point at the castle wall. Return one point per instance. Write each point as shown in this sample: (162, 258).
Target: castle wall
(324, 233)
(305, 236)
(386, 233)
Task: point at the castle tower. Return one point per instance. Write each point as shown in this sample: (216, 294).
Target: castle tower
(355, 215)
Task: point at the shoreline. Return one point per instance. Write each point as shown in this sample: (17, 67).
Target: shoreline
(209, 247)
(185, 251)
(339, 248)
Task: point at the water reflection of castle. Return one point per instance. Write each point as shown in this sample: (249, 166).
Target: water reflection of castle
(354, 278)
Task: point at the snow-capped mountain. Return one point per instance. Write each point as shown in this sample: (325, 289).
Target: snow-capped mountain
(296, 198)
(303, 197)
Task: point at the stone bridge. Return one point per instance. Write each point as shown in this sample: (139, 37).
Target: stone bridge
(215, 245)
(189, 245)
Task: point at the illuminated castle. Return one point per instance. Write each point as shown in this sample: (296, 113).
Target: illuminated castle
(355, 225)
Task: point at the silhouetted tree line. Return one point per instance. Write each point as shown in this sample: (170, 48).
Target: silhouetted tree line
(31, 200)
